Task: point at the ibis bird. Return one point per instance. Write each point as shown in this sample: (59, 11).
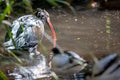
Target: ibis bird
(26, 31)
(67, 62)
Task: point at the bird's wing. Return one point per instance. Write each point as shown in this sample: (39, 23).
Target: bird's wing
(11, 34)
(26, 39)
(18, 33)
(76, 56)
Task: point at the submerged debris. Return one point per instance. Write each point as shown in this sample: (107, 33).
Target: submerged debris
(37, 69)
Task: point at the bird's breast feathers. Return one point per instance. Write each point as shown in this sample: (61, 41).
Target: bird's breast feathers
(60, 60)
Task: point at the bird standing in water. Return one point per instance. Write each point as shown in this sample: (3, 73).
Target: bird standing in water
(28, 30)
(67, 62)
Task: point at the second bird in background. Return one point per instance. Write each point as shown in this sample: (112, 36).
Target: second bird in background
(67, 62)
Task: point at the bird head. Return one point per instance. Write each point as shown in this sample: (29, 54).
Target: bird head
(44, 16)
(56, 51)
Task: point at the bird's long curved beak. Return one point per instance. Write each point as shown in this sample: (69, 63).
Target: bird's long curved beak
(53, 32)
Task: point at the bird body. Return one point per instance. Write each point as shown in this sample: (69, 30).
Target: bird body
(24, 32)
(67, 62)
(60, 62)
(28, 30)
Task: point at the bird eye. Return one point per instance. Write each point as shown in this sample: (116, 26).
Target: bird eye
(42, 16)
(38, 14)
